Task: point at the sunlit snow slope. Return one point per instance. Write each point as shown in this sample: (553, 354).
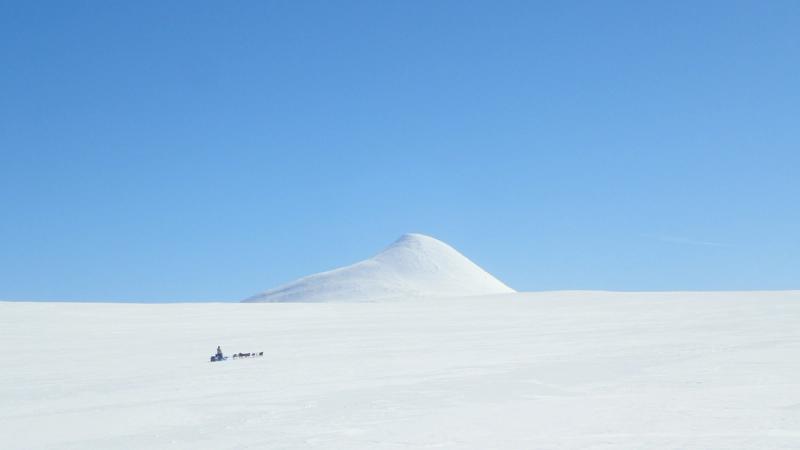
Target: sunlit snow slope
(414, 266)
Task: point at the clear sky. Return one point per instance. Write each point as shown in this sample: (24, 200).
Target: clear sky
(179, 151)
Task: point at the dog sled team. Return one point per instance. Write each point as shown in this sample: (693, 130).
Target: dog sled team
(220, 357)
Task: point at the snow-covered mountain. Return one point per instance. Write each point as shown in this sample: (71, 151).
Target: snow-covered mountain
(413, 266)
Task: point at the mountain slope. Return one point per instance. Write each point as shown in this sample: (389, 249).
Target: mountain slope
(414, 265)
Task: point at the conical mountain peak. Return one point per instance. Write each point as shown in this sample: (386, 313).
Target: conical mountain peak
(415, 265)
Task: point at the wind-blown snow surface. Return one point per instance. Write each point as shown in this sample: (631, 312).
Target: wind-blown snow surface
(414, 266)
(560, 370)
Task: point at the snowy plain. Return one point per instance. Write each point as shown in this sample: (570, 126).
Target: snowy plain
(553, 370)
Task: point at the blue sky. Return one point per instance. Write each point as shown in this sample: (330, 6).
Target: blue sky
(205, 151)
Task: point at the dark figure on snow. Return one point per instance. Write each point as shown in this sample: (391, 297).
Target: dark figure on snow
(219, 353)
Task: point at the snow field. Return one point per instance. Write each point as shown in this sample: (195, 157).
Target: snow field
(557, 370)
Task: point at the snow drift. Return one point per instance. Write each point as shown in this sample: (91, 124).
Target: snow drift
(414, 266)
